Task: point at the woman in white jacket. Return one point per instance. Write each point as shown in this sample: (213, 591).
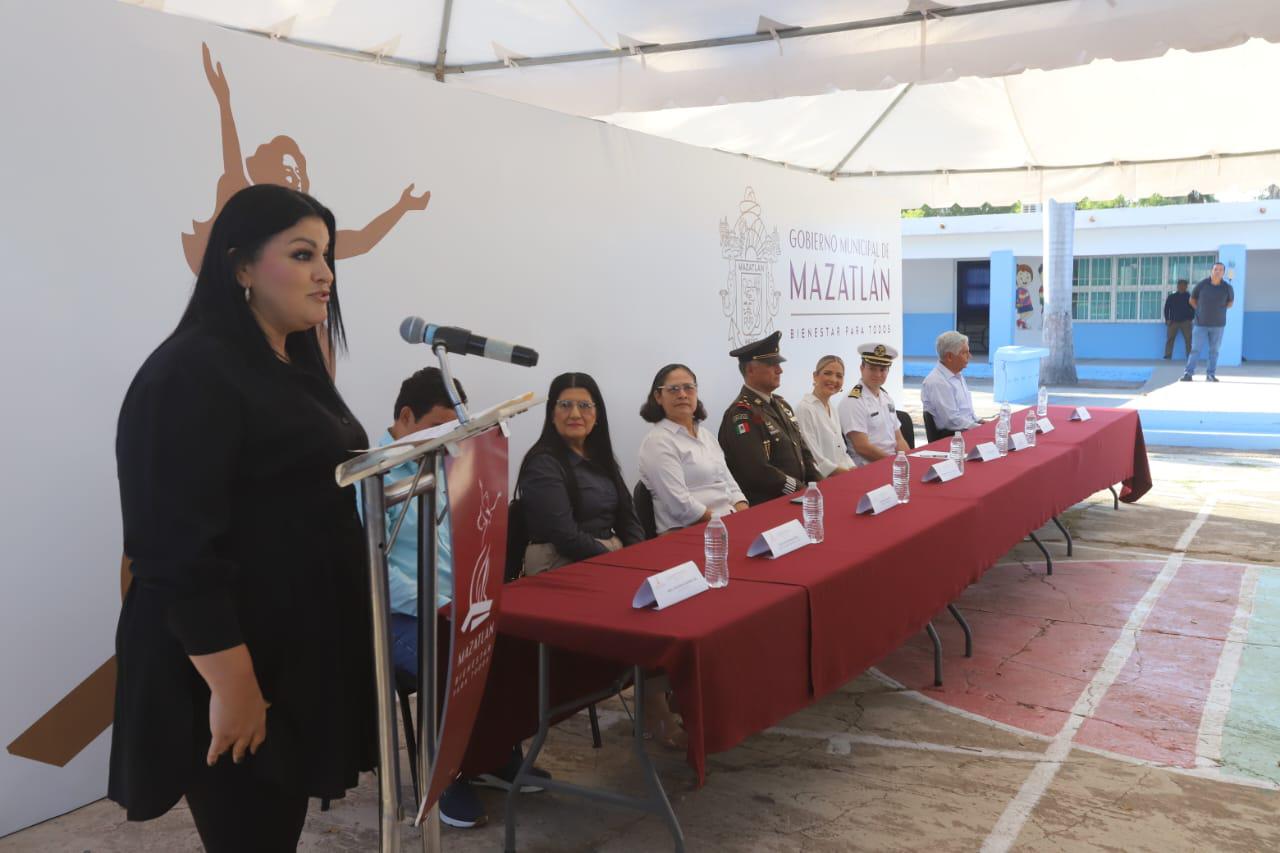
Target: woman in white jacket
(820, 420)
(681, 462)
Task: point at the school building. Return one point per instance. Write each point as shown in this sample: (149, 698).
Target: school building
(983, 276)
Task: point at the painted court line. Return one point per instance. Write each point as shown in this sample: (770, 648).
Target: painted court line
(890, 681)
(839, 743)
(1212, 774)
(1218, 703)
(1019, 809)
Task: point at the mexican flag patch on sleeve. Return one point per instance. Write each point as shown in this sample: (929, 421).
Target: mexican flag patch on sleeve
(744, 428)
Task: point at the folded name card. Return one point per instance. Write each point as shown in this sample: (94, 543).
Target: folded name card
(1044, 425)
(1018, 441)
(878, 500)
(984, 452)
(779, 541)
(942, 472)
(670, 587)
(1081, 414)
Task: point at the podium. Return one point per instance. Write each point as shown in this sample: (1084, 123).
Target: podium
(460, 495)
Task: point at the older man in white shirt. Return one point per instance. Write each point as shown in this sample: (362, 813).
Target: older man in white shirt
(944, 395)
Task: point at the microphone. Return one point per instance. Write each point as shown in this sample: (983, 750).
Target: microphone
(416, 330)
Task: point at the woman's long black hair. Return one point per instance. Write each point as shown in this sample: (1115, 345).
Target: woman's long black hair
(246, 222)
(599, 446)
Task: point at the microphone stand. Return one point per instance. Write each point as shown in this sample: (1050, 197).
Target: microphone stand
(429, 489)
(459, 407)
(429, 517)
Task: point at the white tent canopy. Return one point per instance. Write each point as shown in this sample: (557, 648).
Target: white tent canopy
(959, 102)
(1179, 122)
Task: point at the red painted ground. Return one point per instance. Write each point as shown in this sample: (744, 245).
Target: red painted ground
(1039, 640)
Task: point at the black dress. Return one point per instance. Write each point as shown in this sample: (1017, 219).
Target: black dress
(238, 534)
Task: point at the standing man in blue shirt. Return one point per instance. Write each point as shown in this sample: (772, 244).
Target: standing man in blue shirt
(1178, 315)
(1211, 298)
(423, 402)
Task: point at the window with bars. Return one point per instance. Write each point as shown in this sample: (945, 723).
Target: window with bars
(1131, 288)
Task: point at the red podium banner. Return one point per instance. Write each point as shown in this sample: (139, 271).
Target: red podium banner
(474, 535)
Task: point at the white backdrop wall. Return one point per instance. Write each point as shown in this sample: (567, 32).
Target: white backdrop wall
(931, 286)
(1263, 292)
(599, 247)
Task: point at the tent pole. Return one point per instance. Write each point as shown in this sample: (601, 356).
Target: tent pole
(862, 140)
(444, 39)
(753, 38)
(441, 71)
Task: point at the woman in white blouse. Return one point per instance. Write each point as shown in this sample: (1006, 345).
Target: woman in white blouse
(820, 420)
(681, 463)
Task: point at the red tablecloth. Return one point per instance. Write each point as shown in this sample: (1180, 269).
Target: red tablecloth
(789, 630)
(737, 657)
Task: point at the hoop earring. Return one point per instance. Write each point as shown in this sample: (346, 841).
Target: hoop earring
(247, 294)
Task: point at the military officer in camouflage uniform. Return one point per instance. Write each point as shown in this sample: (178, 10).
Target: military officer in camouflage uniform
(761, 439)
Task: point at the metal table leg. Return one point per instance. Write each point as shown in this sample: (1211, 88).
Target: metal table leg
(596, 742)
(937, 653)
(1065, 532)
(389, 812)
(964, 626)
(656, 803)
(1115, 499)
(1048, 561)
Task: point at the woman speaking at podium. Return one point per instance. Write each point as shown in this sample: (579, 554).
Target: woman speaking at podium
(245, 677)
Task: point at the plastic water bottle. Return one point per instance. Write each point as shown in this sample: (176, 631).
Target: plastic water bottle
(957, 451)
(1042, 402)
(1029, 430)
(813, 513)
(1002, 435)
(715, 548)
(902, 477)
(1005, 412)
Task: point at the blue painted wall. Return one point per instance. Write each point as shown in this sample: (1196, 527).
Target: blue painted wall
(1261, 335)
(1108, 340)
(1003, 284)
(1122, 340)
(920, 332)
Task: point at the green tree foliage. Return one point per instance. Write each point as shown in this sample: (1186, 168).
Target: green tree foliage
(1156, 200)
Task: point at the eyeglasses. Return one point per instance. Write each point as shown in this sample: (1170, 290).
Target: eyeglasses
(687, 387)
(580, 405)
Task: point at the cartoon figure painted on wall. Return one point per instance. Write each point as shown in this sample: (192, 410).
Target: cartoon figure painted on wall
(279, 161)
(1022, 296)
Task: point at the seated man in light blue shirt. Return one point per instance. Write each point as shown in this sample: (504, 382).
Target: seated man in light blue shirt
(423, 402)
(944, 395)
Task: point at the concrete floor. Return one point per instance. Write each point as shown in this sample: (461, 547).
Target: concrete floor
(1166, 660)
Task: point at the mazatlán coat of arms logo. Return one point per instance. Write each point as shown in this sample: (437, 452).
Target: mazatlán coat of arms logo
(750, 298)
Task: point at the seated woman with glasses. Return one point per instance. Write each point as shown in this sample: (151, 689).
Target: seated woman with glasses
(820, 420)
(681, 463)
(576, 504)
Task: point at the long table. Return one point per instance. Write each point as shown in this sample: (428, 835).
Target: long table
(787, 631)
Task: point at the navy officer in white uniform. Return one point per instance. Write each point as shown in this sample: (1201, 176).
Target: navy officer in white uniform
(868, 416)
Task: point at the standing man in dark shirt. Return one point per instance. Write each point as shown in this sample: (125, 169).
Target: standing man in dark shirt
(1210, 299)
(1178, 315)
(759, 433)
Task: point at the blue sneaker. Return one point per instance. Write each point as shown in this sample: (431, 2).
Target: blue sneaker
(503, 779)
(460, 806)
